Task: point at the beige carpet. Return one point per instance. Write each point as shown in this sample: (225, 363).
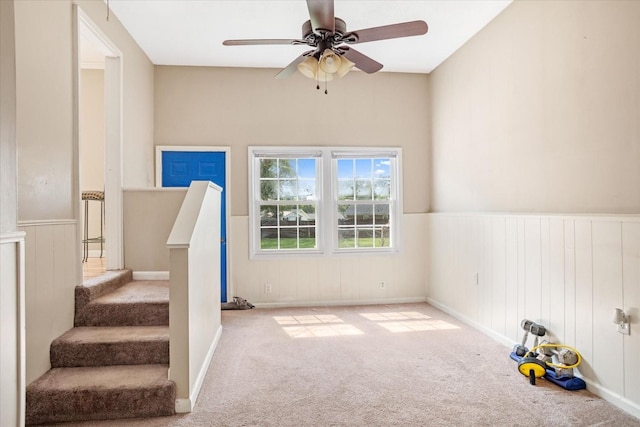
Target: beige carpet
(391, 365)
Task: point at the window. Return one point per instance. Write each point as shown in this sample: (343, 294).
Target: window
(317, 201)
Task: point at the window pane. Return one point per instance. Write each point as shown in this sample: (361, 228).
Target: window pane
(307, 237)
(346, 238)
(365, 237)
(269, 216)
(288, 238)
(307, 168)
(382, 168)
(288, 189)
(364, 215)
(268, 190)
(383, 236)
(381, 189)
(345, 168)
(307, 189)
(363, 168)
(287, 168)
(268, 168)
(363, 189)
(346, 189)
(348, 214)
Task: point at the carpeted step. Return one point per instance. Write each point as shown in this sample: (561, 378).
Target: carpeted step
(138, 303)
(110, 392)
(111, 345)
(97, 286)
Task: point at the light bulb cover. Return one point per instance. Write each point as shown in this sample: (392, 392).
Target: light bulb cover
(308, 67)
(330, 62)
(345, 66)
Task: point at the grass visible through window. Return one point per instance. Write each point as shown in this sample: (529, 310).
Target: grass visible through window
(288, 243)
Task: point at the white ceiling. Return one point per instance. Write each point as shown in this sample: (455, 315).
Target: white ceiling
(191, 32)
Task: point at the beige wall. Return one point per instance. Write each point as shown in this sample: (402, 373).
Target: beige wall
(149, 215)
(242, 107)
(44, 110)
(48, 162)
(539, 112)
(8, 193)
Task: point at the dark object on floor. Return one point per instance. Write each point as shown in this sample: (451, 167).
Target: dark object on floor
(568, 383)
(237, 304)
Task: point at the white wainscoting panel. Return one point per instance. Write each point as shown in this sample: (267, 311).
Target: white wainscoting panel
(52, 261)
(347, 279)
(631, 298)
(568, 273)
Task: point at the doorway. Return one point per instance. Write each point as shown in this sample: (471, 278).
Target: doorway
(98, 80)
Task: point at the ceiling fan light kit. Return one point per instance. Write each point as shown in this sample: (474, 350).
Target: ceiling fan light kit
(327, 35)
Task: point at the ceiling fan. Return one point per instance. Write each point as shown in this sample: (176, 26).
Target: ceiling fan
(329, 38)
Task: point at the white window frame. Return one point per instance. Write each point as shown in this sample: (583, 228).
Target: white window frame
(327, 198)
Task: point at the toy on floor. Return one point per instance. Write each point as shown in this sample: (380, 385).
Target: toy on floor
(554, 362)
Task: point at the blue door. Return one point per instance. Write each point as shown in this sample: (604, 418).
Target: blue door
(179, 168)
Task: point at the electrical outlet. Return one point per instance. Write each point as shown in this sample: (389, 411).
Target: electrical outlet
(382, 284)
(267, 288)
(625, 328)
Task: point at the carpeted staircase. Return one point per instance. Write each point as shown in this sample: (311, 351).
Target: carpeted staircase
(114, 363)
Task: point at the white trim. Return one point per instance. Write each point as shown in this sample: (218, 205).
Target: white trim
(408, 300)
(16, 239)
(567, 216)
(227, 190)
(611, 397)
(150, 275)
(183, 406)
(46, 222)
(12, 237)
(186, 405)
(22, 333)
(467, 320)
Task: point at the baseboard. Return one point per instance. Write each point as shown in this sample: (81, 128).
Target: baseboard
(183, 406)
(611, 397)
(186, 405)
(464, 319)
(150, 275)
(287, 304)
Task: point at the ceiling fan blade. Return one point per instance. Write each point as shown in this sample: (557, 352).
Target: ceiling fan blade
(250, 42)
(293, 67)
(362, 61)
(393, 31)
(321, 15)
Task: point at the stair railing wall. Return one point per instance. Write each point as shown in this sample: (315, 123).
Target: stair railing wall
(194, 309)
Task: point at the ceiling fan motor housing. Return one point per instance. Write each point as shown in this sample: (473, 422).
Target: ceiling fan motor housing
(331, 38)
